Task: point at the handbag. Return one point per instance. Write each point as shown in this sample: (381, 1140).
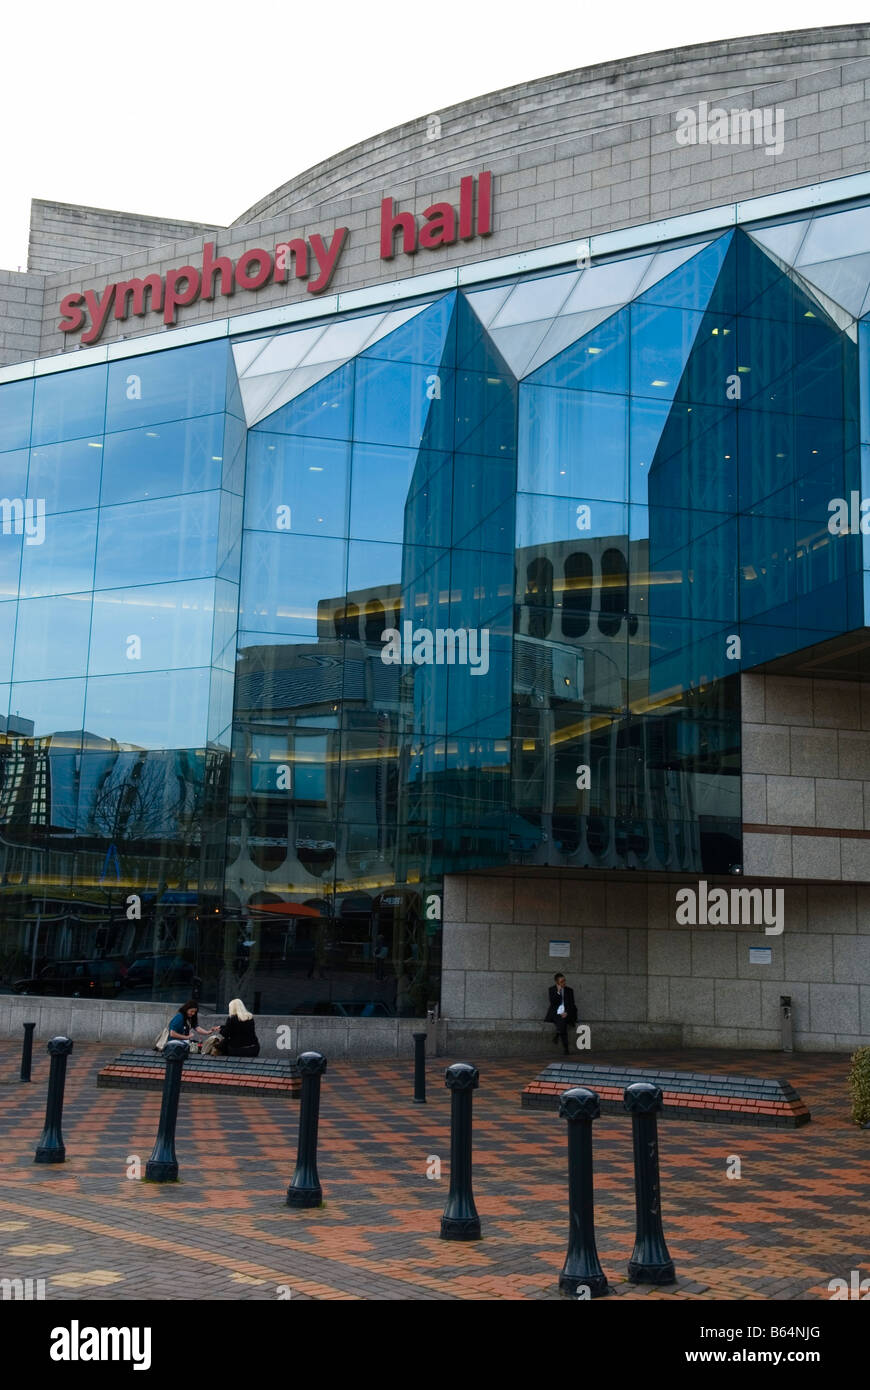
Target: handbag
(162, 1039)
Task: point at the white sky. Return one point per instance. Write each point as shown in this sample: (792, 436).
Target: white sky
(195, 110)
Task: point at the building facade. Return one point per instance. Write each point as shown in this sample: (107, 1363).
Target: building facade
(455, 571)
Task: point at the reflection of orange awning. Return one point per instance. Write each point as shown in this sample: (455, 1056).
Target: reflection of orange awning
(285, 909)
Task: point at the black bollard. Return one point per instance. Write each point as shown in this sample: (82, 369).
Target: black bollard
(650, 1261)
(460, 1220)
(27, 1051)
(419, 1068)
(50, 1148)
(580, 1107)
(305, 1189)
(162, 1166)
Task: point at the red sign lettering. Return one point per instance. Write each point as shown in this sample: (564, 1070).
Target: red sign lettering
(314, 259)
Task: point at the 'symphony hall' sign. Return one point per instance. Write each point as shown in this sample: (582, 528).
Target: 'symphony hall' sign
(313, 258)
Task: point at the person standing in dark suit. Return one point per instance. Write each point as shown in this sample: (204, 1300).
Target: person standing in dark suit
(562, 1011)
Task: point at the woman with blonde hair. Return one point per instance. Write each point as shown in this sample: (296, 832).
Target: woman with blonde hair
(237, 1037)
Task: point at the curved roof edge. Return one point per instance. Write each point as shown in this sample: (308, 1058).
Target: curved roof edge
(313, 183)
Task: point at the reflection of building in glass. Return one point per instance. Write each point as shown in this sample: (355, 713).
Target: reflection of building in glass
(617, 469)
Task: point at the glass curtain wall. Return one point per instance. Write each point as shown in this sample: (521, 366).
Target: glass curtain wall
(291, 627)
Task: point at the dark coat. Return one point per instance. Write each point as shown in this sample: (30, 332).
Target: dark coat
(240, 1037)
(570, 1014)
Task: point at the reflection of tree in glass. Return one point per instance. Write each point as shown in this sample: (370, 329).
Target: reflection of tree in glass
(142, 797)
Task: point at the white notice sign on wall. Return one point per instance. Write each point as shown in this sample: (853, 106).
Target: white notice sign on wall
(560, 948)
(760, 955)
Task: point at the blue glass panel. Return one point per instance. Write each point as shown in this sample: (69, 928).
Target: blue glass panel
(699, 578)
(173, 624)
(374, 565)
(13, 473)
(422, 339)
(233, 396)
(481, 486)
(69, 405)
(814, 617)
(473, 346)
(479, 687)
(760, 287)
(713, 375)
(766, 440)
(691, 285)
(394, 404)
(229, 546)
(53, 707)
(11, 546)
(64, 562)
(324, 410)
(547, 520)
(382, 479)
(148, 542)
(51, 639)
(818, 365)
(428, 508)
(220, 709)
(485, 415)
(661, 340)
(308, 476)
(173, 385)
(163, 460)
(666, 470)
(864, 379)
(766, 564)
(162, 709)
(597, 362)
(290, 584)
(572, 443)
(235, 440)
(66, 475)
(7, 638)
(481, 585)
(494, 533)
(16, 410)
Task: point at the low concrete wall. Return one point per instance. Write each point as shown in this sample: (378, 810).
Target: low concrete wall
(130, 1024)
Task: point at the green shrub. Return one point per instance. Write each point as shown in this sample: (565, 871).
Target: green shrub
(859, 1085)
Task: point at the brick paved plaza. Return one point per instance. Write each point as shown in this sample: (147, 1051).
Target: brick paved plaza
(796, 1218)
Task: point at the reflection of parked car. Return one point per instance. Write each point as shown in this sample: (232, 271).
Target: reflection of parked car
(77, 979)
(158, 972)
(346, 1008)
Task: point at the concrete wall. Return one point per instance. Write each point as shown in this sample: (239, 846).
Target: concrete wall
(21, 310)
(63, 235)
(641, 979)
(806, 768)
(615, 123)
(126, 1023)
(572, 155)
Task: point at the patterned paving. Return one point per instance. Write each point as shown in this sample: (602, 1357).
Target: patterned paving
(796, 1217)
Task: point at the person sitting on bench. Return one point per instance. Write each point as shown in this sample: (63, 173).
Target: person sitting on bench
(237, 1037)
